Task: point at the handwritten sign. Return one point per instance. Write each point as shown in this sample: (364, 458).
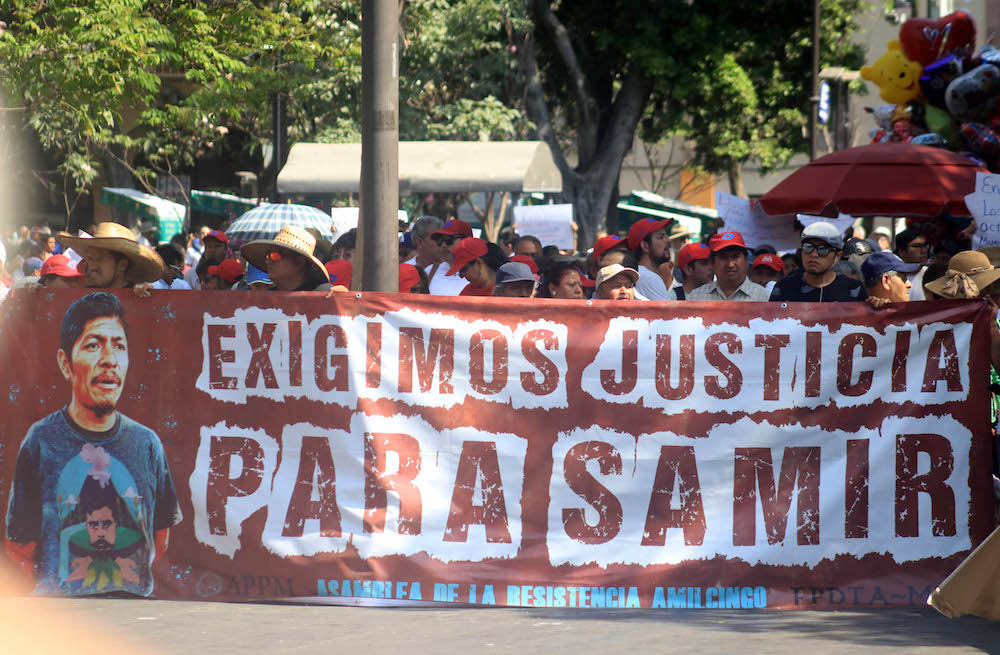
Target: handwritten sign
(552, 224)
(984, 203)
(756, 227)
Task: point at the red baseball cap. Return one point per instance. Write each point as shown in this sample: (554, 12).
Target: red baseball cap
(467, 250)
(524, 259)
(408, 277)
(643, 227)
(725, 240)
(692, 252)
(340, 271)
(59, 265)
(773, 262)
(229, 270)
(218, 235)
(606, 243)
(584, 280)
(455, 226)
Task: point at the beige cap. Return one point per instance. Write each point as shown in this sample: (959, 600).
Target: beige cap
(609, 272)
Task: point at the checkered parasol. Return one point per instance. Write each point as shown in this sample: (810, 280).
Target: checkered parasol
(265, 221)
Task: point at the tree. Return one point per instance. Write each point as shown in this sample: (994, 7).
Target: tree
(88, 77)
(753, 103)
(601, 68)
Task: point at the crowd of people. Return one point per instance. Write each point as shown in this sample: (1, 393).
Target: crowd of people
(655, 260)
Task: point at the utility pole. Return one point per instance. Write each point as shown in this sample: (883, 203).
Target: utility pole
(378, 234)
(814, 100)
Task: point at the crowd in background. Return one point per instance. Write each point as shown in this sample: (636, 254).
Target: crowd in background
(655, 260)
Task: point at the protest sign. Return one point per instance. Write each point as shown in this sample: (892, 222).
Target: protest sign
(495, 452)
(757, 228)
(984, 204)
(552, 224)
(346, 218)
(842, 222)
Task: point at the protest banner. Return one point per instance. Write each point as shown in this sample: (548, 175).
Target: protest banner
(494, 451)
(984, 204)
(758, 228)
(551, 224)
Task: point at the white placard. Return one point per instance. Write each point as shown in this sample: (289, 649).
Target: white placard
(346, 218)
(551, 224)
(756, 227)
(984, 204)
(842, 222)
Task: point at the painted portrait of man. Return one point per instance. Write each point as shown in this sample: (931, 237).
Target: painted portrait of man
(92, 499)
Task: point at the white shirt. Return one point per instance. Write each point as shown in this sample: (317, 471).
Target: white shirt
(176, 285)
(917, 280)
(748, 291)
(191, 256)
(444, 285)
(651, 285)
(191, 277)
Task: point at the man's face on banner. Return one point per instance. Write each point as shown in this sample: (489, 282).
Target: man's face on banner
(102, 528)
(98, 364)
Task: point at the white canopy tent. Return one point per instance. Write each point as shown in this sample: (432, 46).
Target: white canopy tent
(425, 167)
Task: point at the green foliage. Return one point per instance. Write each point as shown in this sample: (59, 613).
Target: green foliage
(751, 99)
(95, 77)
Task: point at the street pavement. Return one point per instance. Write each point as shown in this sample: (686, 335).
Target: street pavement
(169, 627)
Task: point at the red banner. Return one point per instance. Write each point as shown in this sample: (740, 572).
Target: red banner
(230, 445)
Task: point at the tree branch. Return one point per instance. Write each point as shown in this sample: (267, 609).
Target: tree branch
(560, 36)
(534, 101)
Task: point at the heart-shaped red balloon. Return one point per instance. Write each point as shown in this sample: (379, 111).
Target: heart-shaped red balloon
(925, 41)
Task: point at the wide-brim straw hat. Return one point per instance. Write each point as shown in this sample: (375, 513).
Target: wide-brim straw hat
(293, 239)
(144, 264)
(969, 273)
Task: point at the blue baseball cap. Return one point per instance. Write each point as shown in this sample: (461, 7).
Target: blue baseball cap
(879, 263)
(254, 274)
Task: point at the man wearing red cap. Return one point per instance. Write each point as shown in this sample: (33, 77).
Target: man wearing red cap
(59, 272)
(606, 244)
(730, 263)
(216, 249)
(446, 238)
(649, 241)
(767, 269)
(224, 275)
(693, 260)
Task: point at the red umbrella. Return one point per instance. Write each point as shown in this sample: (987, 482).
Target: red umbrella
(883, 179)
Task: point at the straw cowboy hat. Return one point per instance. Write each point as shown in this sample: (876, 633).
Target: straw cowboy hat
(969, 272)
(292, 239)
(144, 264)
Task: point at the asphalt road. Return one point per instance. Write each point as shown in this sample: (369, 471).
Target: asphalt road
(167, 627)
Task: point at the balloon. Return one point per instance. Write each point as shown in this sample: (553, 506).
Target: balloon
(896, 76)
(937, 77)
(925, 40)
(973, 95)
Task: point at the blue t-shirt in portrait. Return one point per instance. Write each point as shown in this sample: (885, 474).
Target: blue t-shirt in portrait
(93, 503)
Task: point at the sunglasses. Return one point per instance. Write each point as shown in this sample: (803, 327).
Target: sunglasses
(822, 251)
(274, 256)
(447, 240)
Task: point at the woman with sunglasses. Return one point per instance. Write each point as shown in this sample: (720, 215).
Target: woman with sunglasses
(477, 261)
(289, 261)
(816, 281)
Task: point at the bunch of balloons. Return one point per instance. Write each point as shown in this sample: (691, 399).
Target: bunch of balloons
(941, 91)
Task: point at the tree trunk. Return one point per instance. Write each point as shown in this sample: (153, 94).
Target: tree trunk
(601, 145)
(736, 179)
